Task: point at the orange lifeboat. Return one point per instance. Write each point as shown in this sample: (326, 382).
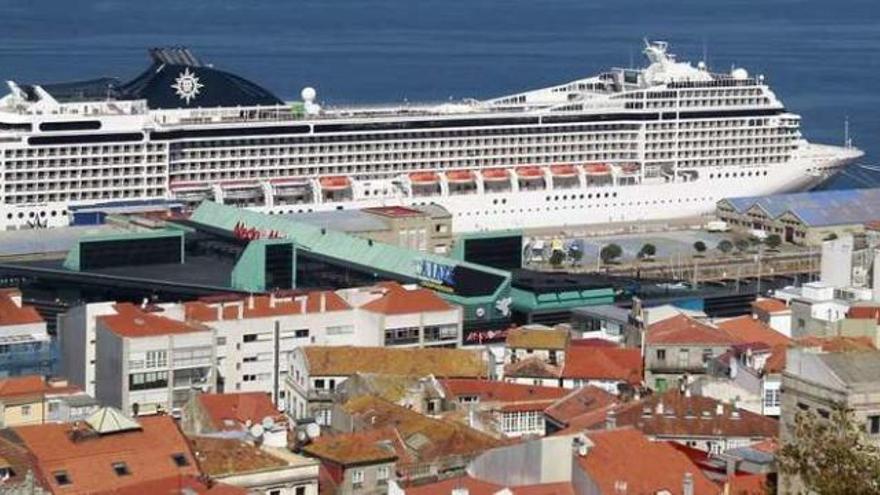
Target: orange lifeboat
(460, 176)
(334, 183)
(424, 178)
(495, 174)
(563, 171)
(597, 169)
(529, 172)
(630, 169)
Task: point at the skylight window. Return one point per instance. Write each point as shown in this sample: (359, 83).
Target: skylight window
(180, 460)
(121, 469)
(62, 478)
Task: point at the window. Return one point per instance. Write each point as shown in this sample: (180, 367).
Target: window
(121, 469)
(145, 381)
(319, 383)
(62, 478)
(340, 329)
(180, 460)
(661, 354)
(301, 334)
(221, 341)
(251, 337)
(25, 410)
(707, 355)
(771, 398)
(275, 492)
(300, 490)
(382, 473)
(684, 356)
(874, 425)
(357, 477)
(157, 359)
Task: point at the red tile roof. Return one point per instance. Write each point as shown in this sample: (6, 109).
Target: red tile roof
(133, 322)
(538, 338)
(399, 300)
(440, 362)
(864, 313)
(769, 305)
(207, 310)
(579, 402)
(682, 329)
(13, 314)
(348, 449)
(603, 363)
(178, 485)
(626, 456)
(497, 391)
(436, 438)
(532, 367)
(480, 487)
(88, 461)
(683, 416)
(837, 343)
(232, 411)
(748, 484)
(33, 385)
(746, 329)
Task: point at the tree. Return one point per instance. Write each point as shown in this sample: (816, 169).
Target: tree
(610, 253)
(725, 246)
(830, 456)
(556, 258)
(700, 247)
(647, 251)
(773, 241)
(742, 245)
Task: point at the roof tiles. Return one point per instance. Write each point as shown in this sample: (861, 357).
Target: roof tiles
(682, 329)
(348, 360)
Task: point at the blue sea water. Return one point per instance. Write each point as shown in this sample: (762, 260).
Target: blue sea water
(821, 57)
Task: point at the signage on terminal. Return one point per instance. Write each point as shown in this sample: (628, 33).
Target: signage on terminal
(245, 233)
(436, 273)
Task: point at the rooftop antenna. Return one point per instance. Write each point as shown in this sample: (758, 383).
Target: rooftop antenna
(705, 52)
(847, 141)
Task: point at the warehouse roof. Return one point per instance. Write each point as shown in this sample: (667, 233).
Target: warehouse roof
(817, 208)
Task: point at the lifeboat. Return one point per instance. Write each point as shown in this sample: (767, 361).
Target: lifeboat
(424, 178)
(630, 169)
(460, 176)
(597, 169)
(563, 171)
(239, 184)
(529, 172)
(289, 181)
(495, 174)
(188, 186)
(336, 183)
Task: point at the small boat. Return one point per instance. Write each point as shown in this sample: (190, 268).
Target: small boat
(495, 174)
(597, 169)
(530, 172)
(563, 170)
(335, 183)
(424, 178)
(460, 176)
(630, 169)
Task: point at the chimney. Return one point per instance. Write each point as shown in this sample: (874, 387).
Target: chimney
(687, 484)
(323, 301)
(459, 491)
(660, 408)
(611, 419)
(272, 300)
(250, 301)
(220, 308)
(719, 409)
(302, 303)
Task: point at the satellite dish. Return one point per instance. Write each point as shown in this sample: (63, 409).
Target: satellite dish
(257, 431)
(313, 430)
(268, 423)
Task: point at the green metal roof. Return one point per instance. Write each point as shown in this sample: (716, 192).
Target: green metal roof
(374, 255)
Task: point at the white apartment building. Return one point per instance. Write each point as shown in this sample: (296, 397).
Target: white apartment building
(148, 363)
(252, 336)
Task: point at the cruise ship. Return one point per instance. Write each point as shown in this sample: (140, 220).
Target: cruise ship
(664, 141)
